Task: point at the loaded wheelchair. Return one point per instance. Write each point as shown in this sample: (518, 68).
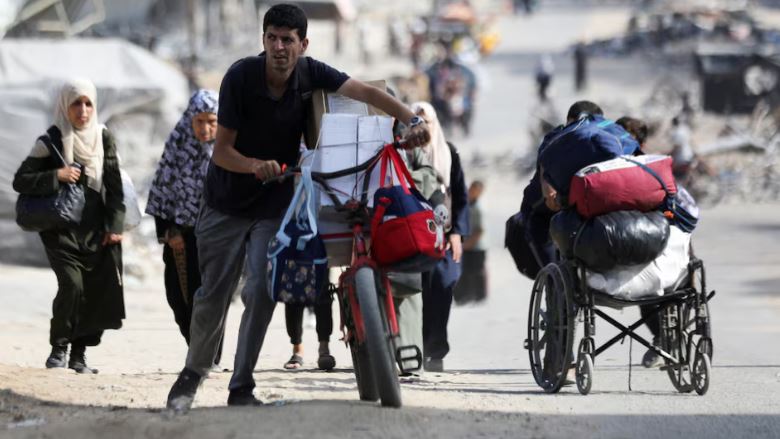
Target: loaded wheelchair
(561, 299)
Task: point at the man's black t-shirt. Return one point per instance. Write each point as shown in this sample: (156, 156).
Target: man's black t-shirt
(267, 129)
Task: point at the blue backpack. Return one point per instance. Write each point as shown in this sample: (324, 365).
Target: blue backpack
(297, 259)
(589, 140)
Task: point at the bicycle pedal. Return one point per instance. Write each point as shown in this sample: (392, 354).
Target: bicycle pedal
(406, 354)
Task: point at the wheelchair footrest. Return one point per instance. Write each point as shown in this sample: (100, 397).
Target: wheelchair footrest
(406, 354)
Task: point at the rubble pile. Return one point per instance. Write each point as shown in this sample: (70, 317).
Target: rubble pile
(737, 156)
(671, 27)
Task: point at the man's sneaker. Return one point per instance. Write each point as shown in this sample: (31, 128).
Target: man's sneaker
(433, 364)
(183, 391)
(241, 397)
(57, 357)
(651, 359)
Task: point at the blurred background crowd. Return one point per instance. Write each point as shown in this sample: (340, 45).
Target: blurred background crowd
(714, 93)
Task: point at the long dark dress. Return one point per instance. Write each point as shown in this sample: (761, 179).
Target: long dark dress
(90, 296)
(181, 297)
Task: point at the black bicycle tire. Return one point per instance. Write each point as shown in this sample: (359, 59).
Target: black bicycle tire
(363, 373)
(377, 338)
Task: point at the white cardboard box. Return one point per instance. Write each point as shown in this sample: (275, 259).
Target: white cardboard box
(348, 140)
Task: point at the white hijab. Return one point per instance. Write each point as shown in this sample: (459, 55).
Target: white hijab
(437, 151)
(84, 146)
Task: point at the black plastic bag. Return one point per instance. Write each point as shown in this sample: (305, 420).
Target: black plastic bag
(519, 247)
(626, 237)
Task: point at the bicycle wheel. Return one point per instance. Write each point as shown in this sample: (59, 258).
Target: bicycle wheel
(365, 379)
(378, 340)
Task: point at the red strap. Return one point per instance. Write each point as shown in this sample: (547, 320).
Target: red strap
(379, 213)
(383, 168)
(390, 155)
(401, 169)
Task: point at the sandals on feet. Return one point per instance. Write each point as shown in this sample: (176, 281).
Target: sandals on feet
(295, 362)
(326, 362)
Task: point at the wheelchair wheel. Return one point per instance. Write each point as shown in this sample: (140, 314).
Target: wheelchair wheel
(701, 370)
(696, 335)
(701, 330)
(674, 340)
(584, 372)
(551, 328)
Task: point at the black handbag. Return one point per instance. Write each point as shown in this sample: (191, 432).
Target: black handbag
(62, 209)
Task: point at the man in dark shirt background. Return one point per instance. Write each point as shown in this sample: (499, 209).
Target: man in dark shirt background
(261, 119)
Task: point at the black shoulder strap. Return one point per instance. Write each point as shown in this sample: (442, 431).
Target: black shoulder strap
(48, 140)
(106, 136)
(304, 78)
(650, 171)
(303, 71)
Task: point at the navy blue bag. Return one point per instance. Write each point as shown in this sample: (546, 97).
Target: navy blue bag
(589, 140)
(60, 210)
(297, 259)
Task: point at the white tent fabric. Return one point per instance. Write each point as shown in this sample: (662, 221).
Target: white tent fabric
(140, 98)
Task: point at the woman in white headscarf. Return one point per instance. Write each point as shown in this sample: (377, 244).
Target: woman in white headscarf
(437, 152)
(87, 259)
(439, 283)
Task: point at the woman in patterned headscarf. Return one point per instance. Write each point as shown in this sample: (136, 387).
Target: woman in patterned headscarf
(87, 259)
(174, 201)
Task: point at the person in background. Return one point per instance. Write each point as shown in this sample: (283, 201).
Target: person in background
(87, 259)
(637, 128)
(536, 214)
(174, 202)
(261, 120)
(472, 286)
(323, 313)
(580, 66)
(526, 6)
(439, 283)
(682, 151)
(544, 76)
(453, 88)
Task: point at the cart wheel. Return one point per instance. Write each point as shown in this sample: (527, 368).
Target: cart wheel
(584, 372)
(701, 372)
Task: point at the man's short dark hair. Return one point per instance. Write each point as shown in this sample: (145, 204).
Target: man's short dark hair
(286, 15)
(578, 108)
(637, 128)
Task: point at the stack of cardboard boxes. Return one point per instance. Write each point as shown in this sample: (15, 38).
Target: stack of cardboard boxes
(345, 133)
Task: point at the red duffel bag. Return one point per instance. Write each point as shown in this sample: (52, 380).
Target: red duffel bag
(405, 236)
(623, 183)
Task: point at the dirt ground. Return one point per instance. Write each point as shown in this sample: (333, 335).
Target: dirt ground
(487, 391)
